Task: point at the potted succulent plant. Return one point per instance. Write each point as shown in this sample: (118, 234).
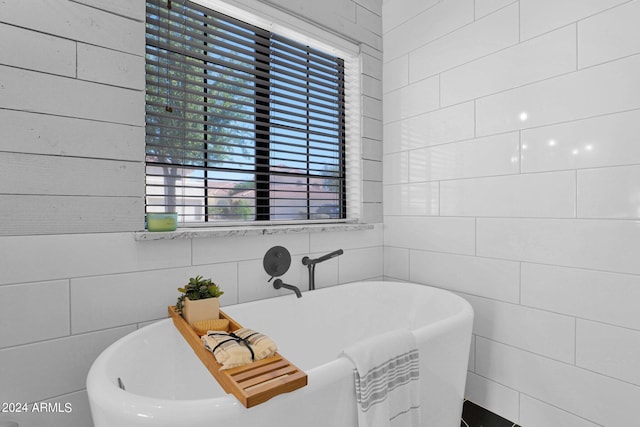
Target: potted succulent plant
(199, 300)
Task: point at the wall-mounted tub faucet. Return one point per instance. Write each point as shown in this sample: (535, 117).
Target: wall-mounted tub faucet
(278, 283)
(311, 265)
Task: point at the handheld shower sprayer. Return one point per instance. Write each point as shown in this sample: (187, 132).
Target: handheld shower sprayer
(311, 265)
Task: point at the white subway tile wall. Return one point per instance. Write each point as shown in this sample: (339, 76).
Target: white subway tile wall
(408, 101)
(486, 277)
(472, 41)
(495, 397)
(416, 23)
(536, 59)
(412, 199)
(519, 191)
(73, 278)
(535, 195)
(32, 377)
(609, 350)
(609, 192)
(541, 16)
(20, 325)
(438, 127)
(601, 141)
(536, 413)
(598, 398)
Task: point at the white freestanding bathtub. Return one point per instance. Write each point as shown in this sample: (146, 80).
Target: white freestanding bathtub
(167, 385)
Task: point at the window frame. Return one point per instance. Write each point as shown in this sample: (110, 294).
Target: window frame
(292, 27)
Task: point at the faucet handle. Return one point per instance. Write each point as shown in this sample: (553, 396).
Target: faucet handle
(276, 261)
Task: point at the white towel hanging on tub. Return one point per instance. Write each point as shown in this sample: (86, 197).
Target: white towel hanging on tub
(387, 379)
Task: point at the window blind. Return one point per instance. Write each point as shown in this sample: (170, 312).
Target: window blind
(241, 124)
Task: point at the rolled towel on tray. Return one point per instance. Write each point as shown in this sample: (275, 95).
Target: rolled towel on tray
(238, 348)
(203, 326)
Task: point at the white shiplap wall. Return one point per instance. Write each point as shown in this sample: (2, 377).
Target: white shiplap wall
(72, 277)
(72, 116)
(511, 176)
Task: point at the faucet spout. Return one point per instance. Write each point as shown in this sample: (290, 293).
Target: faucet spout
(278, 283)
(311, 265)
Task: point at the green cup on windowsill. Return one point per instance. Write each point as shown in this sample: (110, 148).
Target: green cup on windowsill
(166, 221)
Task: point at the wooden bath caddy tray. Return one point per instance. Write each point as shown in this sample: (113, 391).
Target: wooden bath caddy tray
(252, 384)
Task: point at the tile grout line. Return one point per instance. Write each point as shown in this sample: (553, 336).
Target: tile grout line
(439, 92)
(475, 236)
(70, 309)
(519, 23)
(520, 283)
(475, 118)
(519, 408)
(238, 282)
(575, 341)
(520, 151)
(577, 49)
(575, 209)
(475, 352)
(439, 198)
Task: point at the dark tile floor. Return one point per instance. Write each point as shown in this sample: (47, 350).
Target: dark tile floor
(476, 416)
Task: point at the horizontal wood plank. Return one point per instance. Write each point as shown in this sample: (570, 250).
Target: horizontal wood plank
(27, 132)
(46, 53)
(101, 65)
(75, 21)
(45, 93)
(127, 8)
(33, 215)
(69, 176)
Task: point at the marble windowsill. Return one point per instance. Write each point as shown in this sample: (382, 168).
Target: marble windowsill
(197, 232)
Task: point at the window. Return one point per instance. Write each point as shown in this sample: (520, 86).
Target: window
(242, 124)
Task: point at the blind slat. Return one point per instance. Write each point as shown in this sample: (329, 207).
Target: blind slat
(278, 61)
(205, 133)
(315, 130)
(213, 91)
(245, 82)
(280, 109)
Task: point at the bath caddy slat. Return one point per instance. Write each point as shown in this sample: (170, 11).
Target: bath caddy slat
(252, 384)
